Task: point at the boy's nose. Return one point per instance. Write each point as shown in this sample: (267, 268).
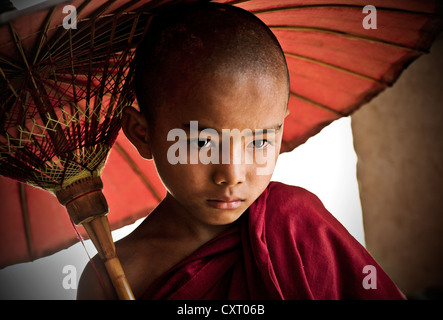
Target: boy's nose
(229, 174)
(231, 170)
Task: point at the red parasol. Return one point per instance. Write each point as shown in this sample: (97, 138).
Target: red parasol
(127, 179)
(336, 65)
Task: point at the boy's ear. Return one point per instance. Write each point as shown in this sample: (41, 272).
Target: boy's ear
(135, 127)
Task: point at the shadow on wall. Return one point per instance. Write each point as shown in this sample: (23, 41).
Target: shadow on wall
(398, 138)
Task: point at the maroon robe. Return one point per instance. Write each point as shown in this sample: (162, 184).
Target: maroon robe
(286, 246)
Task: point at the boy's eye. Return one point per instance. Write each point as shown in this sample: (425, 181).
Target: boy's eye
(260, 143)
(202, 143)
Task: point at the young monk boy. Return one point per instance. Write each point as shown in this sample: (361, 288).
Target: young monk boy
(223, 231)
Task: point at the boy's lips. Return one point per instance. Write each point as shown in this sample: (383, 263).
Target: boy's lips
(225, 203)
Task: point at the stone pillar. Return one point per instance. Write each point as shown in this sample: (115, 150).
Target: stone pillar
(398, 138)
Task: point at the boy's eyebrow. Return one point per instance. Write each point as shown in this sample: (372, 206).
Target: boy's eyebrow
(274, 128)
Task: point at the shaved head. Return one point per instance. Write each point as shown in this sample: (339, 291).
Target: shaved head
(196, 41)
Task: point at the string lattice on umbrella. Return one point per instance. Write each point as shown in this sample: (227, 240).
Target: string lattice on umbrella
(61, 108)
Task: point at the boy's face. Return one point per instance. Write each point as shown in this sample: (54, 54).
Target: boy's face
(240, 165)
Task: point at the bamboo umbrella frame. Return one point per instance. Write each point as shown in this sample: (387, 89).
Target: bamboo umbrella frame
(61, 104)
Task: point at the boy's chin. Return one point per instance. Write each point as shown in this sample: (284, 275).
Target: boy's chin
(223, 218)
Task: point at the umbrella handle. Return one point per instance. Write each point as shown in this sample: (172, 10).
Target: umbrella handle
(87, 206)
(100, 233)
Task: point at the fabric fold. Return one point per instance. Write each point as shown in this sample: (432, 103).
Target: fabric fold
(285, 246)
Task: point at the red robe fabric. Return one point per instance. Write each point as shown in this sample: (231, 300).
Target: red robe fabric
(286, 246)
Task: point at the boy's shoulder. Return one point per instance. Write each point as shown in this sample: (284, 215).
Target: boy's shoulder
(296, 213)
(301, 235)
(294, 203)
(289, 194)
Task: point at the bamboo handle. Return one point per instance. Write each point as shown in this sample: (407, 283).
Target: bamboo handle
(87, 206)
(118, 279)
(100, 233)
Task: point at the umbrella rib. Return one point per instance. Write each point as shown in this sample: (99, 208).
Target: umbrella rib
(76, 127)
(62, 31)
(43, 34)
(7, 61)
(38, 98)
(318, 105)
(338, 68)
(235, 2)
(347, 35)
(11, 87)
(26, 222)
(137, 170)
(18, 45)
(121, 71)
(104, 78)
(89, 80)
